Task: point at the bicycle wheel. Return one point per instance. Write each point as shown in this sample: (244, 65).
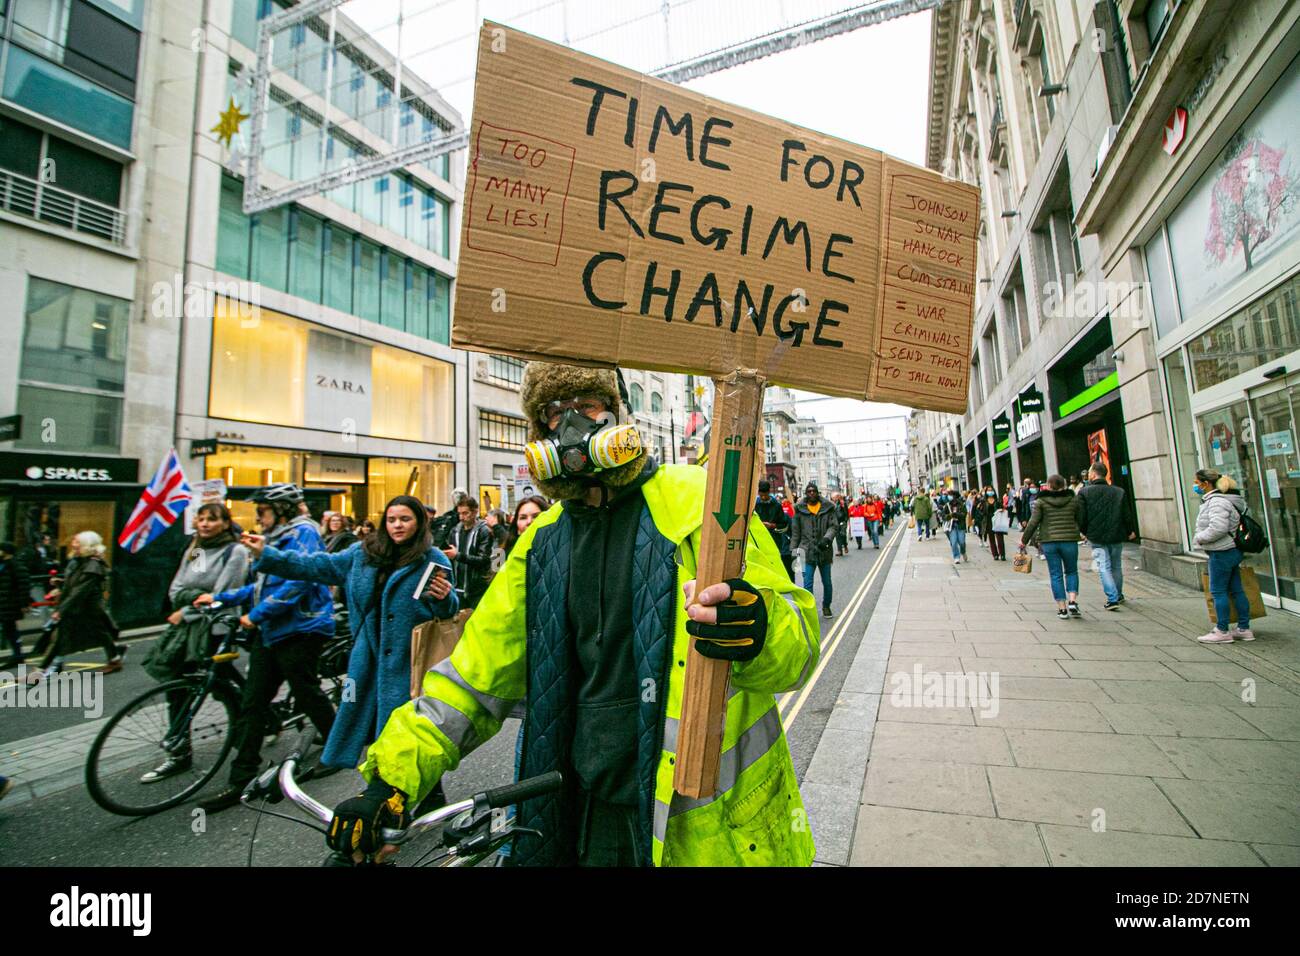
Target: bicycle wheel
(132, 743)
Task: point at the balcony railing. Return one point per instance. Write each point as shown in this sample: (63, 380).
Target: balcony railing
(29, 197)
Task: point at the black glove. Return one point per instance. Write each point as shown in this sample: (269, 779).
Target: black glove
(357, 820)
(741, 628)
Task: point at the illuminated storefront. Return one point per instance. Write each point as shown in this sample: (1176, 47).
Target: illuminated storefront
(341, 399)
(1224, 273)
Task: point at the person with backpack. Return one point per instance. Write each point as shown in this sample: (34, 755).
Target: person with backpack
(1223, 511)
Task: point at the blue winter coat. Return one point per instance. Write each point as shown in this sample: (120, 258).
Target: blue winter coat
(380, 664)
(283, 607)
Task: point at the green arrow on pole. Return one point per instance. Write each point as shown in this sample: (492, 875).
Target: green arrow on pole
(730, 480)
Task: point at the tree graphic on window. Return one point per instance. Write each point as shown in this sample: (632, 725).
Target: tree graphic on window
(1249, 200)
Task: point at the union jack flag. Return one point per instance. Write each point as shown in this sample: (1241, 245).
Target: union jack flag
(161, 503)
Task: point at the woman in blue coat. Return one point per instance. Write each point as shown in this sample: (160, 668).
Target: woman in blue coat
(380, 574)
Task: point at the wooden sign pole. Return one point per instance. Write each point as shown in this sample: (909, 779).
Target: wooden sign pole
(734, 445)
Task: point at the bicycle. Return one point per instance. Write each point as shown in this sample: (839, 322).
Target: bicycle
(198, 709)
(468, 831)
(202, 713)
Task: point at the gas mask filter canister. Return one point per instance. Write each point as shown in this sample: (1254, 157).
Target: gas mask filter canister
(582, 446)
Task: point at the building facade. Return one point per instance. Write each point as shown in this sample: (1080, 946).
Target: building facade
(89, 222)
(1114, 256)
(335, 369)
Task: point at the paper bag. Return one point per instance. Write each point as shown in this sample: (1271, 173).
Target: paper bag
(1251, 585)
(1023, 563)
(431, 643)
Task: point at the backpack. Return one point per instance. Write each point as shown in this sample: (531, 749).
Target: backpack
(1249, 536)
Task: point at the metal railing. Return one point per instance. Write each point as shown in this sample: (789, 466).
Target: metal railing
(47, 203)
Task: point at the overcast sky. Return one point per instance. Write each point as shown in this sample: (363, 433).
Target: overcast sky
(868, 86)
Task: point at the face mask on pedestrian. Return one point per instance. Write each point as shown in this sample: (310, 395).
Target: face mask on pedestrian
(1200, 492)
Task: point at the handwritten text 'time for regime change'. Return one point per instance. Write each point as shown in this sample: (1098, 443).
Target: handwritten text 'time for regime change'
(532, 174)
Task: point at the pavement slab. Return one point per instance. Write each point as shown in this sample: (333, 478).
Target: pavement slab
(1258, 813)
(950, 743)
(1072, 798)
(1044, 715)
(929, 785)
(1081, 846)
(1166, 719)
(1097, 752)
(1246, 762)
(893, 836)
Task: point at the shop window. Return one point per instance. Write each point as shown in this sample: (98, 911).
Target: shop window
(417, 299)
(501, 431)
(1109, 26)
(305, 251)
(257, 367)
(504, 370)
(1185, 445)
(74, 337)
(366, 282)
(413, 398)
(392, 299)
(440, 311)
(1161, 283)
(233, 230)
(1262, 332)
(338, 256)
(270, 265)
(83, 172)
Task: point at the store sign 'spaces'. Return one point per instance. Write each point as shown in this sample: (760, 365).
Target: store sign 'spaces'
(74, 468)
(635, 222)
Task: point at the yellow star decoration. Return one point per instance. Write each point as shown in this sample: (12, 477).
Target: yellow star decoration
(228, 127)
(699, 391)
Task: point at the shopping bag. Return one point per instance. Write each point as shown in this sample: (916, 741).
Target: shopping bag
(1251, 585)
(911, 522)
(431, 643)
(1023, 563)
(1001, 521)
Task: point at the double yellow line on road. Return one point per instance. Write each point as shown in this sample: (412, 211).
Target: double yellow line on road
(790, 704)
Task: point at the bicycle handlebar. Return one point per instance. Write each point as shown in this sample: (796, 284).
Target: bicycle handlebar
(523, 790)
(493, 799)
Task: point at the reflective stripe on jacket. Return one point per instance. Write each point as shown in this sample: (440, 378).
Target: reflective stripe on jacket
(515, 646)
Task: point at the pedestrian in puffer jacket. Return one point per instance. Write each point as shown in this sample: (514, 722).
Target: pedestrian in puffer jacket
(1216, 526)
(1055, 526)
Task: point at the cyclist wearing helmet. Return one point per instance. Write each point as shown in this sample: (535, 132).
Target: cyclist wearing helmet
(295, 618)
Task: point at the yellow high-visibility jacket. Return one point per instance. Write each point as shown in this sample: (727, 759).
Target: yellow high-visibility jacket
(514, 648)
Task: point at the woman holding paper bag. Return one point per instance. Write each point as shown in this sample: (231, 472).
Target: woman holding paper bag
(380, 574)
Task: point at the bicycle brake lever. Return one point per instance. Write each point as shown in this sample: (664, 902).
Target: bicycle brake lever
(266, 786)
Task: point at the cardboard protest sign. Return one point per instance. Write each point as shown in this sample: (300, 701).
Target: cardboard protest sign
(611, 218)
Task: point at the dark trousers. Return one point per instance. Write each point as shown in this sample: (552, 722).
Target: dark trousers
(10, 631)
(58, 644)
(998, 543)
(607, 833)
(788, 561)
(294, 660)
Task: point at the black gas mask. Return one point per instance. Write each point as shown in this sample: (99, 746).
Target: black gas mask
(580, 446)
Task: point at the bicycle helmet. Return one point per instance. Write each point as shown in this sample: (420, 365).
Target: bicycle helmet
(285, 491)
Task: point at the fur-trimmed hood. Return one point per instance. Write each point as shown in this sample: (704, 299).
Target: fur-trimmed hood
(546, 382)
